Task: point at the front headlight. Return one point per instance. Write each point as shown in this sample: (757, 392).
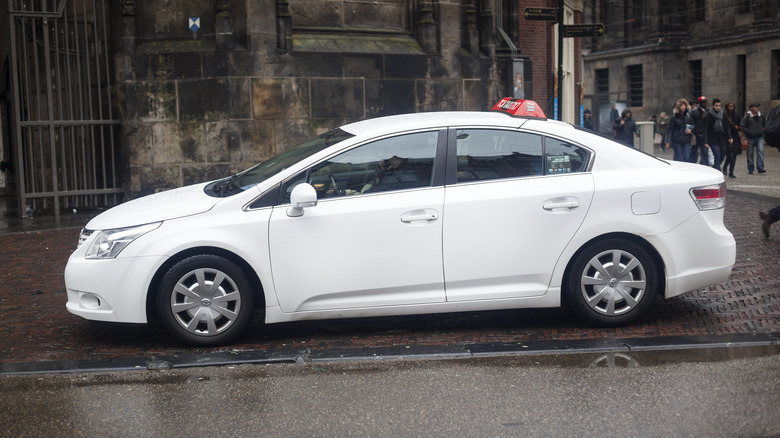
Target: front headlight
(109, 243)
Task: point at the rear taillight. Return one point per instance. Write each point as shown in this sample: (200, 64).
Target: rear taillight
(709, 197)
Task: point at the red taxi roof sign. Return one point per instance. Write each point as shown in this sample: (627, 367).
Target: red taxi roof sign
(519, 107)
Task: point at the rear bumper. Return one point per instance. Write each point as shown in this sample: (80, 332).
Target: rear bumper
(698, 253)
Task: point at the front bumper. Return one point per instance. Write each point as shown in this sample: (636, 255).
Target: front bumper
(112, 290)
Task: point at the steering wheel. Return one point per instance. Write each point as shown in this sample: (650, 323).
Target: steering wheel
(335, 187)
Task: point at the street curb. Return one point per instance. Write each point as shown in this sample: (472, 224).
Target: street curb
(410, 352)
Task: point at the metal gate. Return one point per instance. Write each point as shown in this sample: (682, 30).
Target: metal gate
(65, 137)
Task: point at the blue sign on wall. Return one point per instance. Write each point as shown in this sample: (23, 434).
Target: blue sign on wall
(194, 24)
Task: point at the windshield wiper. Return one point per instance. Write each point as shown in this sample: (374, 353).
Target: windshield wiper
(224, 187)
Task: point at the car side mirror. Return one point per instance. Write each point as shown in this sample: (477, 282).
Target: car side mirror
(303, 195)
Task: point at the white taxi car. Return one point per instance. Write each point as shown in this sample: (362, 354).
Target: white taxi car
(410, 214)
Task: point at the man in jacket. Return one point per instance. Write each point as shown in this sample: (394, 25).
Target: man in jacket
(715, 133)
(699, 116)
(753, 127)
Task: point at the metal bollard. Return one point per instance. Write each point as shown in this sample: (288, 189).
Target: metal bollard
(645, 141)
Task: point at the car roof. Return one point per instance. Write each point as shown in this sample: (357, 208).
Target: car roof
(432, 119)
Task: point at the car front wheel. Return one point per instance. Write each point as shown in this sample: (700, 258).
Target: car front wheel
(205, 300)
(612, 283)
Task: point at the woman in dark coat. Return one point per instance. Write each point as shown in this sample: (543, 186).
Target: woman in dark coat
(732, 120)
(626, 128)
(679, 134)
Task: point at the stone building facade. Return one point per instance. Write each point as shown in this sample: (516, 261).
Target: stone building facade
(249, 79)
(658, 51)
(260, 76)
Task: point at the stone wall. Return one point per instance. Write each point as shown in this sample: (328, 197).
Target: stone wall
(262, 76)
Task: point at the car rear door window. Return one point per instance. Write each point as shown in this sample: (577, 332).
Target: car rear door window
(564, 157)
(486, 154)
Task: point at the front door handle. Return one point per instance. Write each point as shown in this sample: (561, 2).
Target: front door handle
(419, 216)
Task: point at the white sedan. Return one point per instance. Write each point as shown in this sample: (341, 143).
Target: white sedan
(410, 214)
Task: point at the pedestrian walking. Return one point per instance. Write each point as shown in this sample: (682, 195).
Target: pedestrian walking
(626, 129)
(614, 115)
(767, 219)
(663, 125)
(715, 135)
(680, 132)
(699, 117)
(732, 120)
(587, 120)
(753, 127)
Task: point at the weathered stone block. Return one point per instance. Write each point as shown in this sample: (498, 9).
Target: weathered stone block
(439, 95)
(337, 98)
(317, 65)
(149, 101)
(285, 98)
(165, 178)
(290, 133)
(475, 96)
(389, 96)
(399, 66)
(178, 143)
(246, 142)
(231, 63)
(137, 141)
(199, 173)
(214, 99)
(317, 14)
(261, 17)
(363, 66)
(176, 65)
(376, 15)
(141, 181)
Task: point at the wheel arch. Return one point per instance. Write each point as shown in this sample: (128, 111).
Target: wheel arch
(154, 285)
(633, 238)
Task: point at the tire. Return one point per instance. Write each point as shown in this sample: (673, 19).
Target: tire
(612, 283)
(205, 301)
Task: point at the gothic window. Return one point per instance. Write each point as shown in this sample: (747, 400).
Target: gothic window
(602, 81)
(695, 69)
(636, 83)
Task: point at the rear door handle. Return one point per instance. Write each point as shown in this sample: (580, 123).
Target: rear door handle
(569, 203)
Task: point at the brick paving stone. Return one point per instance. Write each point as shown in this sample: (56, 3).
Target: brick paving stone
(38, 328)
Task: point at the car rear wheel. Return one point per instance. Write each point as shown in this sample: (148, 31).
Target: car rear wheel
(205, 300)
(612, 283)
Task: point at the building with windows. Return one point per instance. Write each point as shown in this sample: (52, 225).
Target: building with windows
(657, 51)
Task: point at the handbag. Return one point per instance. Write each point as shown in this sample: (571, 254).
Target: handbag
(744, 143)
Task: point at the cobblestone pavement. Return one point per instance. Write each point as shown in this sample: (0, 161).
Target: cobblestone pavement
(38, 328)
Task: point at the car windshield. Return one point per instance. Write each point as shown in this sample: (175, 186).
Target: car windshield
(272, 166)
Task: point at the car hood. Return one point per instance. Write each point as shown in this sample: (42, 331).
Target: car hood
(171, 204)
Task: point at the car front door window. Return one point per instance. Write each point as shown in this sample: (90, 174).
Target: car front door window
(394, 163)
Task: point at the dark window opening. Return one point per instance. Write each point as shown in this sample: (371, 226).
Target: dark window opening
(699, 10)
(745, 6)
(636, 83)
(695, 67)
(602, 81)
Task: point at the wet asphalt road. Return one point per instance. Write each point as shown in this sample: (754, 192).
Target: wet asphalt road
(725, 392)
